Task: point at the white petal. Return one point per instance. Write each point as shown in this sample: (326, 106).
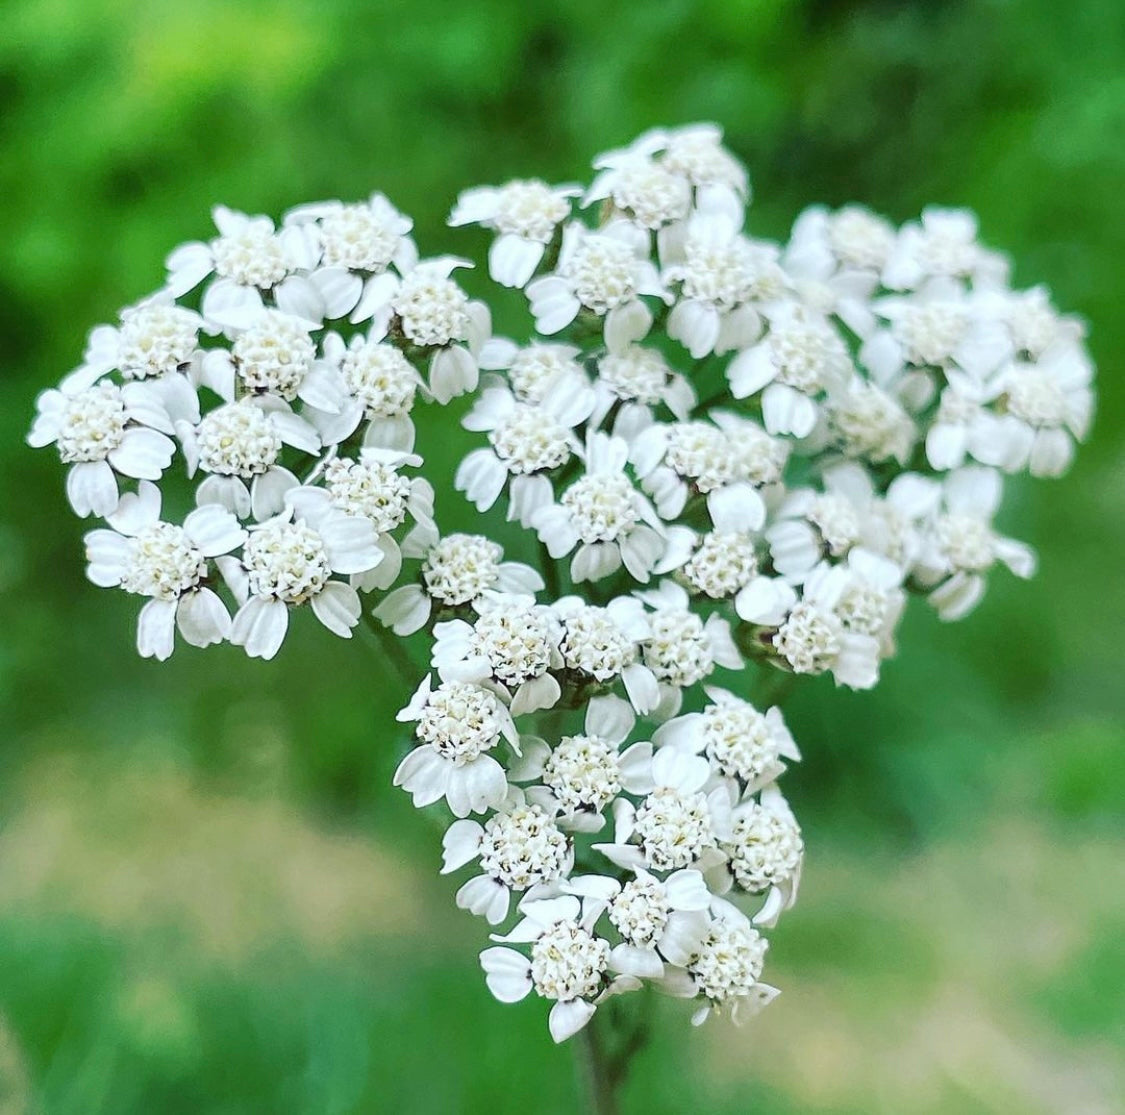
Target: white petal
(787, 411)
(405, 610)
(260, 626)
(137, 510)
(425, 776)
(91, 488)
(143, 454)
(339, 289)
(460, 844)
(481, 476)
(108, 555)
(230, 306)
(686, 890)
(750, 371)
(566, 1019)
(202, 618)
(214, 530)
(537, 693)
(486, 898)
(453, 371)
(226, 491)
(641, 687)
(736, 507)
(626, 324)
(352, 544)
(507, 973)
(610, 718)
(635, 961)
(337, 607)
(267, 492)
(695, 325)
(512, 260)
(296, 295)
(156, 627)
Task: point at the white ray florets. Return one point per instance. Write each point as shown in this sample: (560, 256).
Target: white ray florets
(865, 390)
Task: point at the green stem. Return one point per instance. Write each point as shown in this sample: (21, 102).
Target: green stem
(550, 572)
(394, 649)
(603, 1066)
(595, 1078)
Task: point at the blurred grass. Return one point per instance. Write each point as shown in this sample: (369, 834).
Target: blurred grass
(210, 900)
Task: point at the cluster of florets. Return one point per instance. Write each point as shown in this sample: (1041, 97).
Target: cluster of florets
(726, 455)
(277, 371)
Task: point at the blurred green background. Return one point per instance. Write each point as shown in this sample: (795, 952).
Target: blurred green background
(210, 898)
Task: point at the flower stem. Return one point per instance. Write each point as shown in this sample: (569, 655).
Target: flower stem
(594, 1078)
(394, 650)
(550, 572)
(602, 1069)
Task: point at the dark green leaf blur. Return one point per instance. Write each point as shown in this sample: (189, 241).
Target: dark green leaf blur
(211, 901)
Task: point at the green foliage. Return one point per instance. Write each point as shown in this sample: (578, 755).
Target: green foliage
(122, 123)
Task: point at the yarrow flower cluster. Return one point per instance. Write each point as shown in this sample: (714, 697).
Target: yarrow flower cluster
(611, 796)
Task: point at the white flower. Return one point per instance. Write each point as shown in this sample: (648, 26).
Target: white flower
(368, 381)
(810, 525)
(582, 774)
(169, 564)
(525, 214)
(720, 565)
(889, 525)
(538, 370)
(372, 488)
(569, 963)
(942, 245)
(634, 381)
(800, 358)
(641, 189)
(156, 338)
(765, 852)
(604, 517)
(458, 724)
(365, 236)
(870, 423)
(104, 431)
(810, 635)
(696, 154)
(872, 601)
(696, 151)
(604, 273)
(1050, 403)
(740, 742)
(835, 259)
(722, 277)
(287, 562)
(432, 313)
(939, 325)
(961, 546)
(1034, 323)
(248, 257)
(676, 824)
(512, 644)
(963, 425)
(520, 848)
(681, 648)
(657, 920)
(240, 445)
(604, 644)
(528, 441)
(814, 637)
(457, 570)
(680, 459)
(274, 355)
(726, 969)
